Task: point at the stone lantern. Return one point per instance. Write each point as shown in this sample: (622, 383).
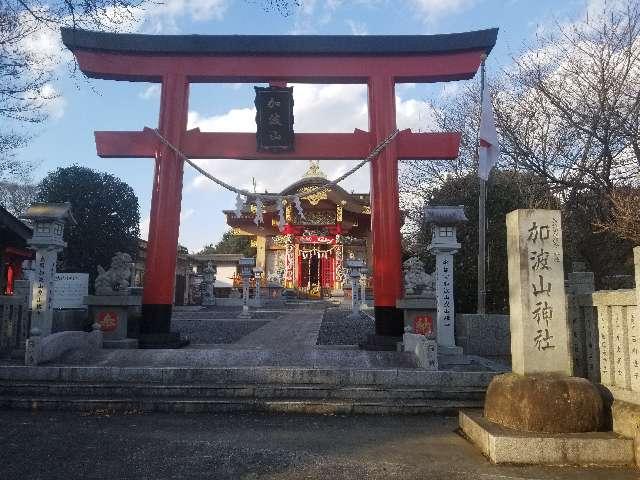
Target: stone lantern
(208, 284)
(246, 270)
(48, 220)
(354, 266)
(444, 245)
(257, 274)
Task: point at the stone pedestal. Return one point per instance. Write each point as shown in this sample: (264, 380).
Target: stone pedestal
(111, 313)
(419, 314)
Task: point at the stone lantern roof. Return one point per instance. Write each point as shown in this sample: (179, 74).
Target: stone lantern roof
(50, 212)
(445, 215)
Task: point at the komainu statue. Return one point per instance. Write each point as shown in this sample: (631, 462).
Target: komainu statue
(416, 280)
(114, 281)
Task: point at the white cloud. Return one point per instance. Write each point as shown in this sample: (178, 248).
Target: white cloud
(186, 214)
(318, 108)
(152, 91)
(432, 10)
(164, 16)
(53, 102)
(314, 13)
(235, 120)
(357, 28)
(144, 228)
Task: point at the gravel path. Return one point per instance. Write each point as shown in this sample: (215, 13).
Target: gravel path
(67, 446)
(215, 331)
(338, 329)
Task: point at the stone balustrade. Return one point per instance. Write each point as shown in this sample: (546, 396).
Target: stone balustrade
(605, 332)
(14, 319)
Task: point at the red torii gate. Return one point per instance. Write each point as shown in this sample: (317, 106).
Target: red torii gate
(175, 61)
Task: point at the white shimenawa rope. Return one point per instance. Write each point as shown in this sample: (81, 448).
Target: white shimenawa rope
(270, 196)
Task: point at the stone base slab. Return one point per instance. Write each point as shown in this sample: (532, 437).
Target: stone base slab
(504, 445)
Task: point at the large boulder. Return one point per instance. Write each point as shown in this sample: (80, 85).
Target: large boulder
(548, 403)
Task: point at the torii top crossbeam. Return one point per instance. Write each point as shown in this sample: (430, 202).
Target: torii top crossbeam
(178, 60)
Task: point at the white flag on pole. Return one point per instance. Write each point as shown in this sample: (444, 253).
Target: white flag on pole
(488, 150)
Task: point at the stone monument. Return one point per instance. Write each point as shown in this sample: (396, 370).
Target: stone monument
(48, 221)
(540, 340)
(246, 266)
(208, 284)
(539, 399)
(110, 305)
(444, 244)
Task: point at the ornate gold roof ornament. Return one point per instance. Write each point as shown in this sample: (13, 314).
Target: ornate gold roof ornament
(315, 197)
(314, 170)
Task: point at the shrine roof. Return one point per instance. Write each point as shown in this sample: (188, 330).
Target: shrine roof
(360, 198)
(14, 224)
(357, 45)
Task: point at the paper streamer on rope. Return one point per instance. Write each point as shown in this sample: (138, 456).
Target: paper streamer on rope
(298, 205)
(258, 218)
(281, 219)
(239, 205)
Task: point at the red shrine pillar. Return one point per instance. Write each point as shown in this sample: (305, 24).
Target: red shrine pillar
(164, 222)
(385, 211)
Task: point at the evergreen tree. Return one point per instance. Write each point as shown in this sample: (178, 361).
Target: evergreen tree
(107, 213)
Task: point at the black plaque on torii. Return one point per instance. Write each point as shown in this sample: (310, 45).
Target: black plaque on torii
(274, 119)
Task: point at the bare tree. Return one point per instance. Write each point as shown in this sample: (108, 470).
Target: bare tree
(26, 71)
(568, 108)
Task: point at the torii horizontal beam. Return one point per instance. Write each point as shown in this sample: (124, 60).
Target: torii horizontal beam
(309, 146)
(269, 58)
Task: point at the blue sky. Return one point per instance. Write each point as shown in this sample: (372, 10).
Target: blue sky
(87, 105)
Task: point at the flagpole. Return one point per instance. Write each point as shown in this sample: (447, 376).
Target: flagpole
(482, 222)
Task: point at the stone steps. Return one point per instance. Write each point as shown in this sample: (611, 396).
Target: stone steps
(255, 389)
(264, 391)
(215, 405)
(389, 377)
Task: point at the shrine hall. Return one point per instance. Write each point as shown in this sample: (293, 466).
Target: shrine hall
(307, 254)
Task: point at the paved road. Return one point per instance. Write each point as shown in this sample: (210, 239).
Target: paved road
(160, 446)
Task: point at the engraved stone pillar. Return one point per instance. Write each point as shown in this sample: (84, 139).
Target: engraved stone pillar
(444, 245)
(540, 335)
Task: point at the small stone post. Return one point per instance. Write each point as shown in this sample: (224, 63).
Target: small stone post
(444, 245)
(539, 327)
(246, 264)
(354, 267)
(364, 271)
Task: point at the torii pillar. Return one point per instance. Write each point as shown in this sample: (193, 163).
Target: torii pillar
(377, 61)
